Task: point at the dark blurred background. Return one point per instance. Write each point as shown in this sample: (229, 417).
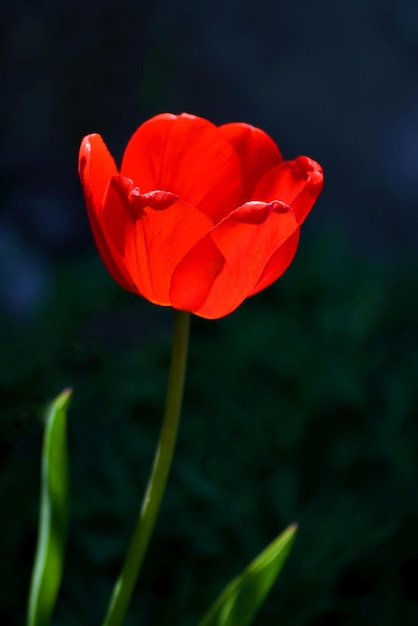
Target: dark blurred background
(300, 406)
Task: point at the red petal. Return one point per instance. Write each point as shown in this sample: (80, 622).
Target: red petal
(257, 152)
(96, 167)
(148, 234)
(278, 263)
(223, 269)
(187, 156)
(298, 183)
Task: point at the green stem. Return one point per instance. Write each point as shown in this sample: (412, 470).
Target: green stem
(162, 461)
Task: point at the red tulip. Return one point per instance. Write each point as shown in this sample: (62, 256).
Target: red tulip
(200, 217)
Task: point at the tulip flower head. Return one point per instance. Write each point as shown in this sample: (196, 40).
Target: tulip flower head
(198, 217)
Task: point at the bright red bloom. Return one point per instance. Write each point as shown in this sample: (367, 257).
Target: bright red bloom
(200, 217)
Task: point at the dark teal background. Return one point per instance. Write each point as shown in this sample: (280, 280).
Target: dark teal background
(302, 405)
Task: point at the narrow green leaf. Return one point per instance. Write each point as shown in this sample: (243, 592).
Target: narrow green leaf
(241, 599)
(53, 514)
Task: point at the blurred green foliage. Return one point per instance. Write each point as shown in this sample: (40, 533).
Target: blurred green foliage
(299, 407)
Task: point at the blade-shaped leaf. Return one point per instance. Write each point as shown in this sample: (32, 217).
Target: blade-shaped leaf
(53, 514)
(241, 599)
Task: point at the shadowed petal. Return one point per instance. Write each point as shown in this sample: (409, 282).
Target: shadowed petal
(278, 263)
(298, 183)
(257, 152)
(148, 234)
(95, 167)
(224, 267)
(187, 156)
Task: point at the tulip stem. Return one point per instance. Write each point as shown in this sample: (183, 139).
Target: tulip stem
(125, 584)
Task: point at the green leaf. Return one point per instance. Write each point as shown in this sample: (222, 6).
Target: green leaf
(53, 514)
(241, 599)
